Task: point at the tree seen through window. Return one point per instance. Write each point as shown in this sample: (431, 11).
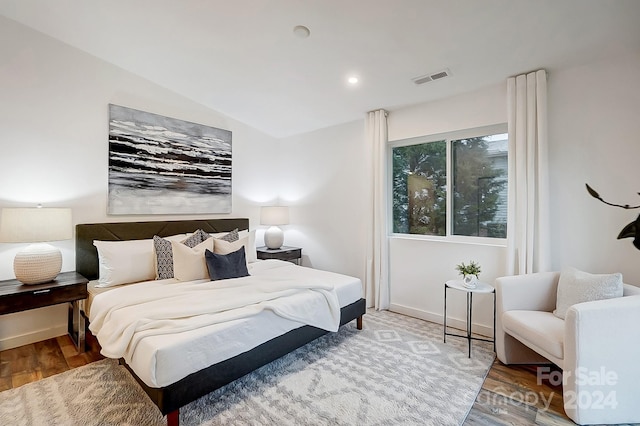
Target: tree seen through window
(478, 193)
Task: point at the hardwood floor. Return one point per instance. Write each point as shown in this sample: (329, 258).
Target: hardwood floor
(36, 361)
(510, 395)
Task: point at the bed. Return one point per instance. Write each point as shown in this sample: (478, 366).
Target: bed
(172, 388)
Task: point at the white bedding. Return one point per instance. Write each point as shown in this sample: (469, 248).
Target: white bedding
(162, 352)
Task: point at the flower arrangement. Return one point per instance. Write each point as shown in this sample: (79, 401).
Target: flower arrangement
(471, 269)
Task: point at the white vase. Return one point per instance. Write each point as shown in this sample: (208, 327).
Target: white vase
(470, 281)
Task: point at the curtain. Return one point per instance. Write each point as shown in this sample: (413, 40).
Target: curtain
(377, 261)
(528, 226)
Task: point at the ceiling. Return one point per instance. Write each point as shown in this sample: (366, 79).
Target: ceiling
(241, 58)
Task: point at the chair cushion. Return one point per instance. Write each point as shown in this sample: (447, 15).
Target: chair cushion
(539, 330)
(576, 286)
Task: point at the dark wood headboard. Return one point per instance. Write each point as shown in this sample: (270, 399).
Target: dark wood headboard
(87, 254)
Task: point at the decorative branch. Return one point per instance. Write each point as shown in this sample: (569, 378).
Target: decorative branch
(632, 230)
(597, 196)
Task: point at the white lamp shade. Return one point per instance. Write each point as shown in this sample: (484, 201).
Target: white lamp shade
(274, 215)
(35, 225)
(38, 263)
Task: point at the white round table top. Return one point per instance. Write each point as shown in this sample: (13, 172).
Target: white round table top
(481, 287)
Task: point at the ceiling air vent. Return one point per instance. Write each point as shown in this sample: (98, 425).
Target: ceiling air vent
(431, 77)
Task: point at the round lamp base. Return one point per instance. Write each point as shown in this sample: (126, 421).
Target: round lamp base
(37, 264)
(273, 237)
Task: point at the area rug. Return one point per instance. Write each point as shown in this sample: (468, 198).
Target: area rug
(395, 371)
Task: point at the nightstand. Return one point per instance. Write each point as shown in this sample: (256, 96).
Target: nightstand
(292, 254)
(68, 287)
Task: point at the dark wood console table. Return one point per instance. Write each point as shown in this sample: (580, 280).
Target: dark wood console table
(292, 254)
(68, 287)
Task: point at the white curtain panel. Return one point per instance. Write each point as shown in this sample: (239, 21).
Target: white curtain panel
(377, 263)
(528, 226)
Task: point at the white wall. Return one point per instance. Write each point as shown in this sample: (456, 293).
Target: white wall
(419, 267)
(594, 136)
(54, 147)
(324, 180)
(594, 128)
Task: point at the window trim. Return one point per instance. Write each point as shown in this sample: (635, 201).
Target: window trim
(448, 137)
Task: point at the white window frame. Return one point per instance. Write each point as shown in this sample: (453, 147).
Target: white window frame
(448, 137)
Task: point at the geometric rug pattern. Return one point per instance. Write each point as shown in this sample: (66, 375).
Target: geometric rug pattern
(395, 371)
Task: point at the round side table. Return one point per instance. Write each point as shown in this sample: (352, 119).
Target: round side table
(481, 287)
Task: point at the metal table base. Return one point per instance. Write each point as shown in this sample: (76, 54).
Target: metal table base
(469, 335)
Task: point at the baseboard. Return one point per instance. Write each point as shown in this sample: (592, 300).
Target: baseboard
(460, 324)
(33, 337)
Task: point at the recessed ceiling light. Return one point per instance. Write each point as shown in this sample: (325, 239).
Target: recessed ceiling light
(301, 31)
(353, 80)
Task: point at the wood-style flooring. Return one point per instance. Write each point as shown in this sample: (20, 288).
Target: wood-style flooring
(510, 395)
(36, 361)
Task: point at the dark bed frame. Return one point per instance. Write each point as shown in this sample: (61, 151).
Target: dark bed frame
(170, 398)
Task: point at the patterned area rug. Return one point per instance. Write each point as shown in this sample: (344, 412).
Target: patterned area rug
(395, 371)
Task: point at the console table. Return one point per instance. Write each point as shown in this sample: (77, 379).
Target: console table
(68, 287)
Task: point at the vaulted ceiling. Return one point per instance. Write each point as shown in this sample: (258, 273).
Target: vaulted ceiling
(241, 57)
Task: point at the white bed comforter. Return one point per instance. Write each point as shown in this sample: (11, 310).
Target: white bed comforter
(122, 317)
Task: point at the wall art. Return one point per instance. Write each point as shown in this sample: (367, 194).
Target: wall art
(162, 165)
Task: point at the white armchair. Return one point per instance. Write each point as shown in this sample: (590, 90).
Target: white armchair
(597, 345)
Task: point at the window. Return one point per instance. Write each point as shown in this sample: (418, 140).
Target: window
(465, 172)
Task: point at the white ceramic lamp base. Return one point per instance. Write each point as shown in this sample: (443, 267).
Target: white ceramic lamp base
(273, 237)
(38, 263)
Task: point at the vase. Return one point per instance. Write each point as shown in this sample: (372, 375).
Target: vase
(470, 281)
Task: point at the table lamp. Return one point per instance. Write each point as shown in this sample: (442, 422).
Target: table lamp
(273, 216)
(38, 263)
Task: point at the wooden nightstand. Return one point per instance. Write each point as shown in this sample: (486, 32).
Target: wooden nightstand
(68, 287)
(292, 254)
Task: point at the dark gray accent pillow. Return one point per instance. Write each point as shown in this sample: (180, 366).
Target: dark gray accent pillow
(223, 266)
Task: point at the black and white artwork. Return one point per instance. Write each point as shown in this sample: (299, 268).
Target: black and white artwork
(162, 165)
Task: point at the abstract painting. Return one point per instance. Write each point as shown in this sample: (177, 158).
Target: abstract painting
(162, 165)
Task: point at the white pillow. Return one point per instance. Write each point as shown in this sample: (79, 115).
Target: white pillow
(189, 263)
(576, 286)
(225, 247)
(125, 262)
(250, 248)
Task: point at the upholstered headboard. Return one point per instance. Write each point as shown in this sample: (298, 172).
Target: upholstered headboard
(87, 254)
